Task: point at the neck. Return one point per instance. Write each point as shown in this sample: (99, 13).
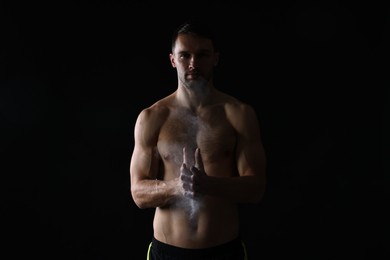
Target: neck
(195, 98)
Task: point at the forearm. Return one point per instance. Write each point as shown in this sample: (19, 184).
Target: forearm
(244, 189)
(150, 193)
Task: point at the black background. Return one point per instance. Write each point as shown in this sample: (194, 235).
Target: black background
(74, 76)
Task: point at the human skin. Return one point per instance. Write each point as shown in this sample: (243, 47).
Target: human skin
(197, 154)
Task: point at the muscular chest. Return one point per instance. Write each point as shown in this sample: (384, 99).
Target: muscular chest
(211, 132)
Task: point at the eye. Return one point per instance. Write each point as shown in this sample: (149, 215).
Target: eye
(184, 56)
(203, 55)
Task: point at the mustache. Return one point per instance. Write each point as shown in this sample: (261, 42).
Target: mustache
(193, 72)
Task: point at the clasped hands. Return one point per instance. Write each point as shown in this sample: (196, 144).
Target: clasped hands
(193, 177)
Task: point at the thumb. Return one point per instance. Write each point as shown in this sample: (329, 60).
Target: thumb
(198, 160)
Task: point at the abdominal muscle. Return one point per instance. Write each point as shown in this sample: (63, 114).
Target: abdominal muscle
(208, 222)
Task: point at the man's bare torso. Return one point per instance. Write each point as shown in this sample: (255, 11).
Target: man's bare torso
(205, 221)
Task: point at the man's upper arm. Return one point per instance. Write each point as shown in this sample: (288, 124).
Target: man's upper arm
(250, 151)
(143, 162)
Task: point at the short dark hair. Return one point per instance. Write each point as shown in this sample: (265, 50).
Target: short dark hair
(196, 27)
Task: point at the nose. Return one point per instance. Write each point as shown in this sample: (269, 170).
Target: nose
(192, 63)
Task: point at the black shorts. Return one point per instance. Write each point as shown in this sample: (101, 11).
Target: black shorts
(233, 250)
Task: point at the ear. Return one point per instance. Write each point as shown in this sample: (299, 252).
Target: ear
(172, 59)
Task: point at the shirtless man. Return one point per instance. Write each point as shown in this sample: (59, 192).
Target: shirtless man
(197, 153)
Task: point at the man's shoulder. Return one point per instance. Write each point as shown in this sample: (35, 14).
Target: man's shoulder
(229, 99)
(161, 106)
(157, 109)
(232, 102)
(236, 107)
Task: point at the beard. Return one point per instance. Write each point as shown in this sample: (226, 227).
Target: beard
(198, 84)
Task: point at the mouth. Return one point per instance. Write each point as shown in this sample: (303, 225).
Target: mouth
(193, 75)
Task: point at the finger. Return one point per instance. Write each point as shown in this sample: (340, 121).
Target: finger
(189, 194)
(196, 177)
(198, 160)
(188, 187)
(184, 156)
(186, 177)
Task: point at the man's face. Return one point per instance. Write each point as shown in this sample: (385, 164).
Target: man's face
(194, 59)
